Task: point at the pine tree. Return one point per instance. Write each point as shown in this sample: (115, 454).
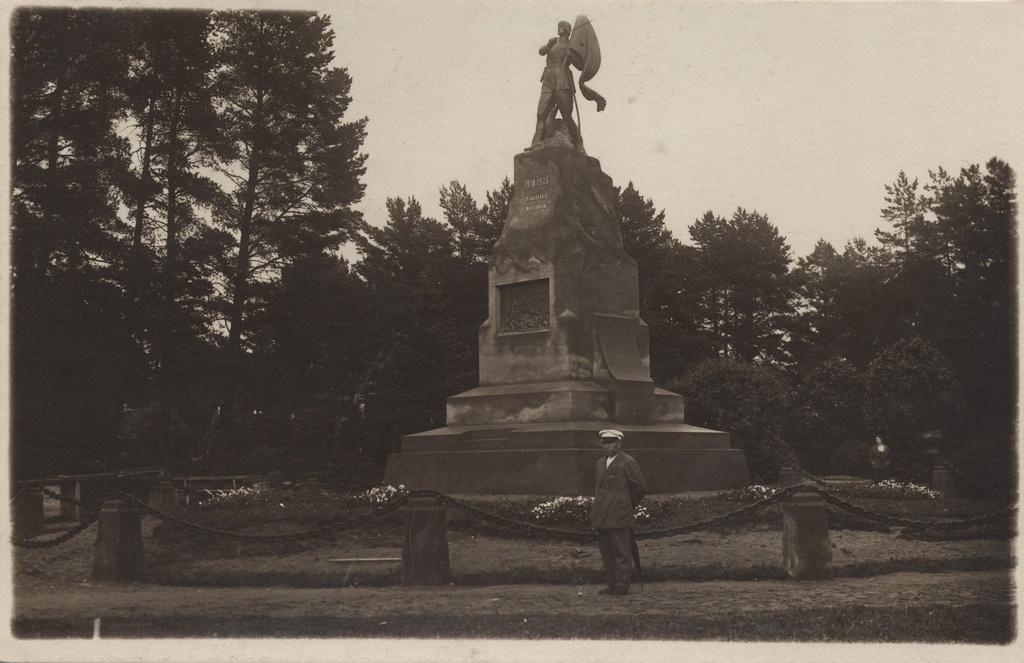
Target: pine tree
(746, 308)
(663, 266)
(292, 161)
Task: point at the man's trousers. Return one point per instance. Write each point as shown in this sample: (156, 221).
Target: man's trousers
(616, 554)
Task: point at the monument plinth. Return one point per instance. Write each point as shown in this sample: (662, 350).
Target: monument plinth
(563, 354)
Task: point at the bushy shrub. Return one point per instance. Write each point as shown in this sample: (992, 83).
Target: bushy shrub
(750, 402)
(828, 412)
(911, 388)
(851, 457)
(142, 432)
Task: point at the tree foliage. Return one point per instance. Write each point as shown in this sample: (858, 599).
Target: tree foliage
(750, 402)
(747, 290)
(133, 258)
(911, 389)
(664, 266)
(828, 413)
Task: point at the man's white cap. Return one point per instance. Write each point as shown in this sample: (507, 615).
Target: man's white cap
(610, 432)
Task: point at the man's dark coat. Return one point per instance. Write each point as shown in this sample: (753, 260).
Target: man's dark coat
(620, 487)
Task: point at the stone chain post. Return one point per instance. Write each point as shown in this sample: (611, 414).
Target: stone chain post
(806, 547)
(27, 512)
(119, 543)
(425, 549)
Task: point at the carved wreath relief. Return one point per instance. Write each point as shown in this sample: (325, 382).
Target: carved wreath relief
(524, 307)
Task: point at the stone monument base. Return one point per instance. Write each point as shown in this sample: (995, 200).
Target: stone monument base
(558, 458)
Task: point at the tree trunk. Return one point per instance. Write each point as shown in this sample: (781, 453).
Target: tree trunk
(147, 152)
(167, 323)
(225, 443)
(42, 259)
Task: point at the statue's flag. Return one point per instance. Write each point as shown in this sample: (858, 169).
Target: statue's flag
(587, 51)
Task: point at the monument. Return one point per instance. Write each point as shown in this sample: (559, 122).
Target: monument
(563, 352)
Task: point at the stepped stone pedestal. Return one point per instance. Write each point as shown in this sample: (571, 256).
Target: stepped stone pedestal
(563, 354)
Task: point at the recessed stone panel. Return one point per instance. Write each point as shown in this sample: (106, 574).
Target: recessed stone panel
(524, 307)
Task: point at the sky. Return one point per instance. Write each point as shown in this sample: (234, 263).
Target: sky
(800, 111)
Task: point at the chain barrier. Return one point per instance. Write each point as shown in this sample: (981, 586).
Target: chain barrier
(949, 524)
(268, 538)
(580, 536)
(77, 529)
(504, 521)
(73, 501)
(724, 518)
(589, 536)
(92, 505)
(974, 482)
(56, 541)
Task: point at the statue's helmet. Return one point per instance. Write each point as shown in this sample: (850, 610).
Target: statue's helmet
(566, 25)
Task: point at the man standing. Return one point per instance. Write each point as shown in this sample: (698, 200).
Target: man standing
(557, 88)
(619, 488)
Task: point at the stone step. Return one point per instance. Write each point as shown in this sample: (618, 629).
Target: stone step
(567, 472)
(563, 435)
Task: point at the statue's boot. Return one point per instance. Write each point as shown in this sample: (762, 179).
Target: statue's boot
(538, 135)
(574, 132)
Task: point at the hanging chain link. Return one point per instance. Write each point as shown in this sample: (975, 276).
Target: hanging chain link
(581, 536)
(1002, 492)
(269, 538)
(57, 540)
(71, 500)
(949, 524)
(719, 520)
(77, 529)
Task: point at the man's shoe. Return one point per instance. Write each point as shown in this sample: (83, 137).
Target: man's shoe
(606, 591)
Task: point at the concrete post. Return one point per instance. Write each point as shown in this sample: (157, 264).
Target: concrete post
(944, 481)
(68, 511)
(806, 548)
(119, 543)
(27, 512)
(163, 496)
(425, 550)
(789, 476)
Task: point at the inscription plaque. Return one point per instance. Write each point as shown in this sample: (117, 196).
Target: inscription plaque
(524, 307)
